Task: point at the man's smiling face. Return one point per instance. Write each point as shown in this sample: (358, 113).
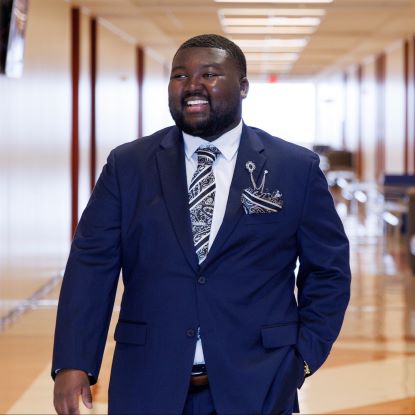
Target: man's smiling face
(206, 91)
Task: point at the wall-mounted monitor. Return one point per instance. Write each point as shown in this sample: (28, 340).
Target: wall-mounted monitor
(13, 20)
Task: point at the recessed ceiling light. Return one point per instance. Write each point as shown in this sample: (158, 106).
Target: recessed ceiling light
(274, 1)
(268, 67)
(271, 57)
(263, 30)
(270, 21)
(271, 12)
(271, 43)
(271, 50)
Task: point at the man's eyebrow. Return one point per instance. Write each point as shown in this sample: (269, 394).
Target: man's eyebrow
(208, 65)
(174, 68)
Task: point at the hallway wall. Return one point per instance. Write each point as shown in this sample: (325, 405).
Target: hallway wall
(330, 111)
(34, 156)
(395, 109)
(117, 93)
(370, 111)
(368, 119)
(156, 114)
(35, 137)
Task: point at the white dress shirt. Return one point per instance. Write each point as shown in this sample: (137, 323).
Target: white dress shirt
(223, 169)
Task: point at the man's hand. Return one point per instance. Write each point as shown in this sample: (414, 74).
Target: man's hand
(69, 385)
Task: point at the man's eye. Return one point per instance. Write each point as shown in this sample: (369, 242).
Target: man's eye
(210, 75)
(179, 76)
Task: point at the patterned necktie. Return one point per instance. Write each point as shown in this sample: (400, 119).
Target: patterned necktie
(202, 199)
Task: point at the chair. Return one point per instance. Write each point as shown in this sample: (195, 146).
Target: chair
(395, 191)
(340, 167)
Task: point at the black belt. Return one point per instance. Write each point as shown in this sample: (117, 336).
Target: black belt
(199, 370)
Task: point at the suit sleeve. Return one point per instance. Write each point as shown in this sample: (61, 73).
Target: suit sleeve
(90, 281)
(323, 280)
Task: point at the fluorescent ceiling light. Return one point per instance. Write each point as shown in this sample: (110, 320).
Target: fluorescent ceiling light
(274, 1)
(271, 57)
(271, 12)
(268, 72)
(271, 64)
(263, 30)
(257, 69)
(272, 50)
(270, 21)
(268, 68)
(271, 43)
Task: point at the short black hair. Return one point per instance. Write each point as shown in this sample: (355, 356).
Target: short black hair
(218, 42)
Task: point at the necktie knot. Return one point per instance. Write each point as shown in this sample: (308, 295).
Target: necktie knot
(206, 156)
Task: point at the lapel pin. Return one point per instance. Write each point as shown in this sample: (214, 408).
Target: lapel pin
(250, 166)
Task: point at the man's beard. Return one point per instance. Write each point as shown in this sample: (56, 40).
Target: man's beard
(217, 123)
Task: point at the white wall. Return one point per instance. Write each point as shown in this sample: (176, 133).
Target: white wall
(156, 113)
(352, 109)
(117, 93)
(330, 110)
(34, 155)
(284, 109)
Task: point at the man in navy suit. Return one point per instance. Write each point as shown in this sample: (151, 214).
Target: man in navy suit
(206, 220)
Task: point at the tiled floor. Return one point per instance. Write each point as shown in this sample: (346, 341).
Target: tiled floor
(371, 369)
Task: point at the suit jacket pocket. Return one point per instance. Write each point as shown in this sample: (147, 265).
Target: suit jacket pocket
(130, 332)
(279, 335)
(258, 218)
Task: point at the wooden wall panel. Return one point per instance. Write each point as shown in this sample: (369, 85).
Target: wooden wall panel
(411, 109)
(395, 147)
(75, 75)
(140, 83)
(380, 68)
(85, 113)
(93, 80)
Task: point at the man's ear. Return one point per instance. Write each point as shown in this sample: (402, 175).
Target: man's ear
(244, 87)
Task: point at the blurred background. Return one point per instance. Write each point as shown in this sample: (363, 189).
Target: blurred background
(337, 76)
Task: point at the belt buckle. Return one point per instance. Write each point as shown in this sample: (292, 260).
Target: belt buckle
(199, 378)
(199, 369)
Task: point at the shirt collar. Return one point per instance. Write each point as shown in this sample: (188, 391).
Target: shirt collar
(227, 143)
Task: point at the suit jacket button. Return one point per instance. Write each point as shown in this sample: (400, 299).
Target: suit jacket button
(190, 333)
(201, 280)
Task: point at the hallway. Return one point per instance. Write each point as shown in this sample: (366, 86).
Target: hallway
(335, 75)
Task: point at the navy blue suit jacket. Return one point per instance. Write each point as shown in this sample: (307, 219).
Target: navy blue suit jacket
(255, 334)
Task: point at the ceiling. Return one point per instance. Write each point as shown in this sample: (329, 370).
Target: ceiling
(279, 37)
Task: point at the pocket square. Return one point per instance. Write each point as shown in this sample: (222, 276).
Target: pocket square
(256, 200)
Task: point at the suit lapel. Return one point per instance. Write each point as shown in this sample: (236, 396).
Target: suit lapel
(172, 170)
(250, 149)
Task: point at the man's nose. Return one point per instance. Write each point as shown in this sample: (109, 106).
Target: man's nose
(194, 84)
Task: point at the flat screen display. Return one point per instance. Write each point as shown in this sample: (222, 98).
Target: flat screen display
(13, 21)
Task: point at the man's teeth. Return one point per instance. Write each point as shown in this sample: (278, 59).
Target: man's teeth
(197, 102)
